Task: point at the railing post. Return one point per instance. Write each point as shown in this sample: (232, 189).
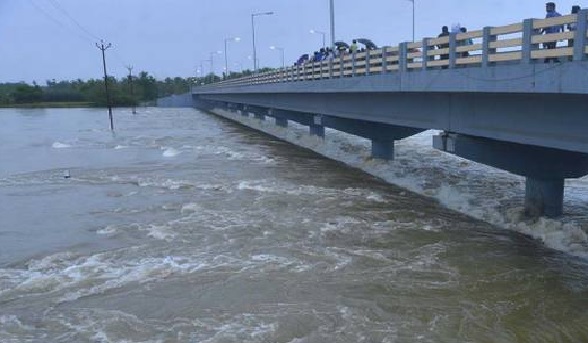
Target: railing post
(331, 67)
(367, 62)
(353, 64)
(486, 50)
(452, 47)
(402, 58)
(425, 51)
(527, 46)
(580, 36)
(384, 60)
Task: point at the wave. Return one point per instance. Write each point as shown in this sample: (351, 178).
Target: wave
(485, 193)
(59, 145)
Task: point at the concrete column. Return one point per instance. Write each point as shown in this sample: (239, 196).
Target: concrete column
(544, 197)
(425, 50)
(580, 36)
(384, 60)
(486, 50)
(402, 58)
(383, 149)
(452, 47)
(316, 126)
(282, 122)
(367, 62)
(330, 67)
(353, 63)
(527, 45)
(317, 130)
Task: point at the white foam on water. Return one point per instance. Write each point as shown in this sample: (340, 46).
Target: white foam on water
(77, 277)
(118, 147)
(159, 232)
(59, 145)
(279, 187)
(233, 155)
(474, 189)
(12, 329)
(244, 329)
(190, 208)
(109, 230)
(170, 152)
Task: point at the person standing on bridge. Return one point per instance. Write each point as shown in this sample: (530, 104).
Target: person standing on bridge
(353, 47)
(444, 32)
(551, 13)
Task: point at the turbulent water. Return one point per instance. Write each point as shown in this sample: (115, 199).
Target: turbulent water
(187, 227)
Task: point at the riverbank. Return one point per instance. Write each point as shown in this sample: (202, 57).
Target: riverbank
(65, 104)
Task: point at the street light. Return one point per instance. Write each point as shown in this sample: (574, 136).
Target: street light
(253, 34)
(322, 33)
(412, 19)
(202, 74)
(332, 15)
(212, 60)
(230, 39)
(281, 55)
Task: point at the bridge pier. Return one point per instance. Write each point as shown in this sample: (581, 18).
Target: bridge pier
(544, 168)
(282, 122)
(317, 127)
(383, 149)
(544, 197)
(317, 130)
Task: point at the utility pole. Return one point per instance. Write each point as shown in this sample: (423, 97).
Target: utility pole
(102, 47)
(130, 69)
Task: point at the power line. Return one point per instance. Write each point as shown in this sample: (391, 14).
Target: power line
(56, 5)
(81, 33)
(57, 22)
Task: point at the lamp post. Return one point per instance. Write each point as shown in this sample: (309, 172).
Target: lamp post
(322, 33)
(332, 16)
(202, 74)
(253, 34)
(281, 55)
(212, 60)
(412, 19)
(230, 39)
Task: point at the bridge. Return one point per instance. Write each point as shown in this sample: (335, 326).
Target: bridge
(489, 92)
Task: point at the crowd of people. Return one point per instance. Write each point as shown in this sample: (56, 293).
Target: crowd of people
(325, 54)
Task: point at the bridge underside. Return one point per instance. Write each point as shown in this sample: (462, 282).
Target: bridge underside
(524, 133)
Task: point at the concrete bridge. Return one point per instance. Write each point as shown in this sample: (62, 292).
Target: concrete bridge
(495, 101)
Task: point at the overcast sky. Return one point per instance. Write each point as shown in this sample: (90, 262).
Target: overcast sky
(55, 39)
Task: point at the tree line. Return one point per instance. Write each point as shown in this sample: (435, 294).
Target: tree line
(145, 89)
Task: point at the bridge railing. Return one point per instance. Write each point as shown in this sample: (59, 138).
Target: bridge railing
(514, 43)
